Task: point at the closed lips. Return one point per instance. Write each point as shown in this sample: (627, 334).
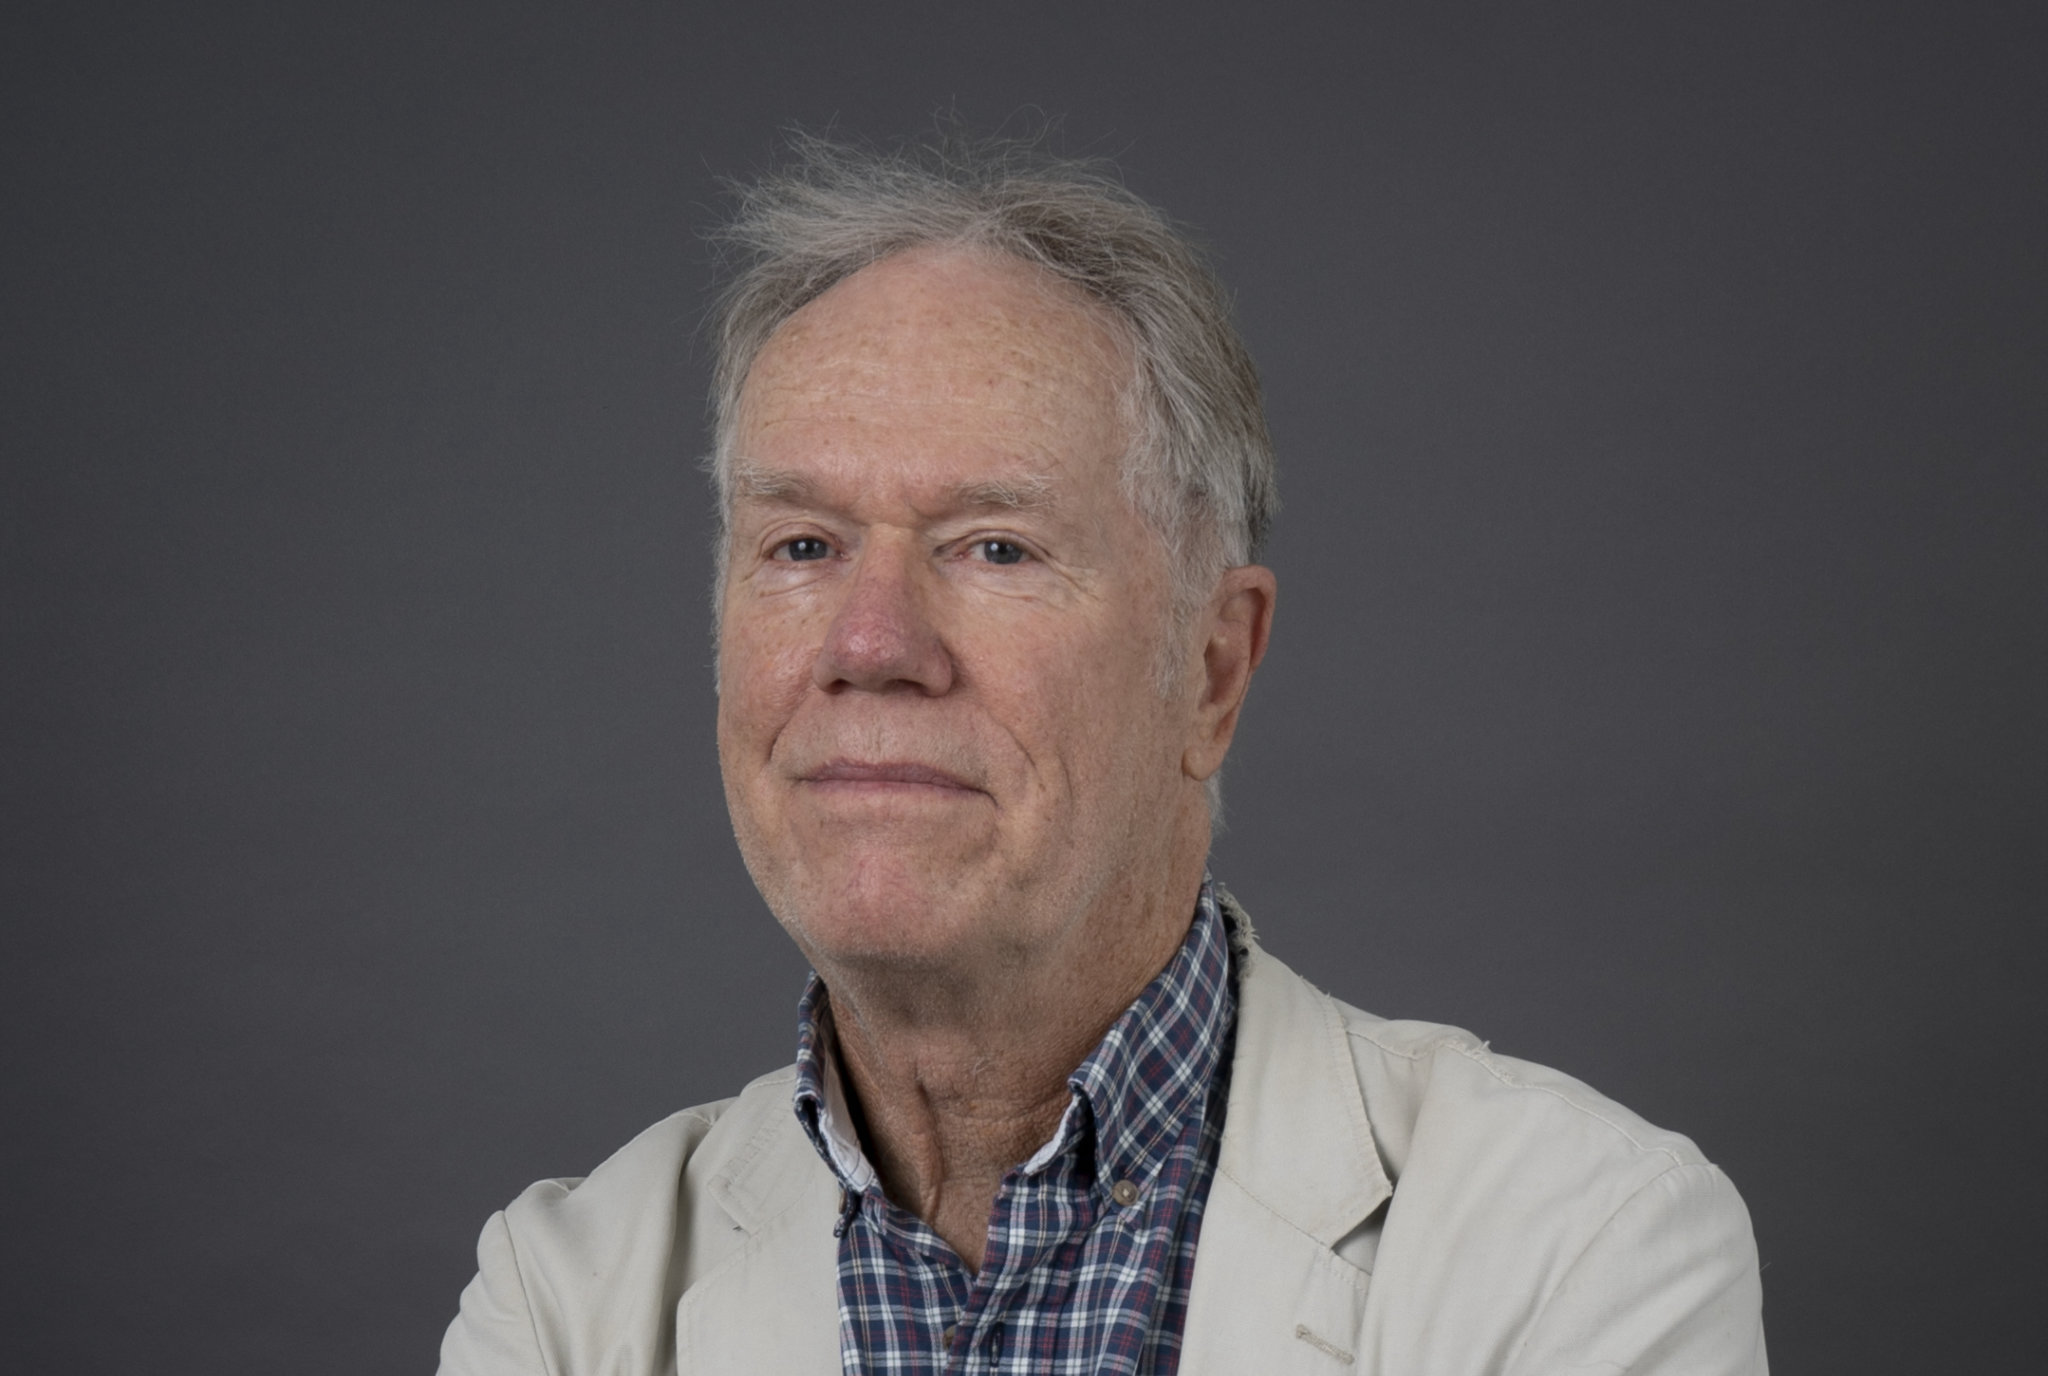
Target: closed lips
(893, 772)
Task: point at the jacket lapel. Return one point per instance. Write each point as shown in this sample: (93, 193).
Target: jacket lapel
(773, 1305)
(1297, 1171)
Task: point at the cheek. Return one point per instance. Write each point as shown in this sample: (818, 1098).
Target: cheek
(1088, 698)
(760, 677)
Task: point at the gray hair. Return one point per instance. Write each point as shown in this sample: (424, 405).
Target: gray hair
(1200, 470)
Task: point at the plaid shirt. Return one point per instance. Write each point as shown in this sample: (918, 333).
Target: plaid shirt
(1091, 1245)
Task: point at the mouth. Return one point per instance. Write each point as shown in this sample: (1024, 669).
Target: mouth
(885, 776)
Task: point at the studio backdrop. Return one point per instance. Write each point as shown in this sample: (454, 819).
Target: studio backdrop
(1656, 690)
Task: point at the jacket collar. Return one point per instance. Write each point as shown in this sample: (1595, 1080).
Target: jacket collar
(1297, 1171)
(773, 1303)
(1296, 1135)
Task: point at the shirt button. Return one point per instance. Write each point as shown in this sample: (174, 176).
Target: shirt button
(946, 1338)
(1124, 1193)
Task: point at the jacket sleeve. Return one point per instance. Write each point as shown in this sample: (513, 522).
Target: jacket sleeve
(493, 1333)
(1667, 1287)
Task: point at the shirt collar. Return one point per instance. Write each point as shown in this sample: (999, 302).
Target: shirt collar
(1135, 1092)
(821, 1104)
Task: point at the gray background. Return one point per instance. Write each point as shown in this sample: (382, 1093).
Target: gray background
(1659, 675)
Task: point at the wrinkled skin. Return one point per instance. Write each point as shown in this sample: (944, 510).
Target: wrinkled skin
(949, 762)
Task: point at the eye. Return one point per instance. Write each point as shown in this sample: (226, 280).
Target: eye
(1000, 551)
(803, 549)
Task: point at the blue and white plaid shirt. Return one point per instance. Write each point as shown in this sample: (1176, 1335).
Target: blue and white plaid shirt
(1091, 1245)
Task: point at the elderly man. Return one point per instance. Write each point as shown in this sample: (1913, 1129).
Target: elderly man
(994, 474)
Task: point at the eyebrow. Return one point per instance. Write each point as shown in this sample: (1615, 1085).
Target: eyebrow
(1025, 493)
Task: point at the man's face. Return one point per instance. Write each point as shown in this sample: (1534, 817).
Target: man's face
(939, 725)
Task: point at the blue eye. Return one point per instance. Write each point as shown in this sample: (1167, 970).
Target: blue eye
(1000, 551)
(806, 547)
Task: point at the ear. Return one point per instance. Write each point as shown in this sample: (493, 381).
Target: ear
(1235, 628)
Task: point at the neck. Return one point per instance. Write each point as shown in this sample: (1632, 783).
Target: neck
(953, 1092)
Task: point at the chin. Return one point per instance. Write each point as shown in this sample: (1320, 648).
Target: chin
(894, 938)
(899, 913)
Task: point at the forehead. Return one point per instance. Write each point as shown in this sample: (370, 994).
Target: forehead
(956, 356)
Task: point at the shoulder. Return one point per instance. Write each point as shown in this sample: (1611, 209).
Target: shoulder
(657, 1161)
(659, 1195)
(575, 1266)
(1424, 1095)
(1589, 1236)
(1527, 1216)
(1418, 1076)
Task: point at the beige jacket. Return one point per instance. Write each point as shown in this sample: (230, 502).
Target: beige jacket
(1392, 1198)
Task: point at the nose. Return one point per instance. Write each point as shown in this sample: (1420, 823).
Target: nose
(882, 636)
